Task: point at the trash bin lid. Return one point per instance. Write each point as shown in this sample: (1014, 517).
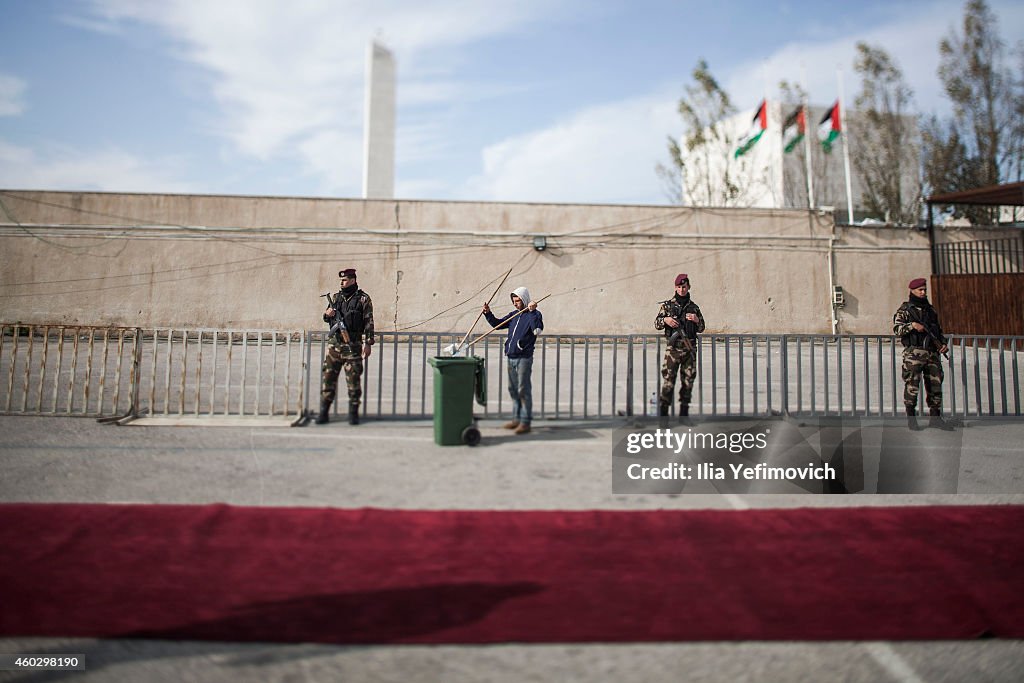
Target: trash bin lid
(442, 361)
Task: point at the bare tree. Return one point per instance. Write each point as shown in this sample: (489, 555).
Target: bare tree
(887, 148)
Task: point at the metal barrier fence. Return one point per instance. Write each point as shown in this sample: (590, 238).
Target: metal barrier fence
(572, 376)
(596, 376)
(55, 370)
(108, 372)
(221, 372)
(123, 371)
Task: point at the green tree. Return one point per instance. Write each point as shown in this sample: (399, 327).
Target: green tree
(948, 165)
(981, 145)
(701, 170)
(886, 152)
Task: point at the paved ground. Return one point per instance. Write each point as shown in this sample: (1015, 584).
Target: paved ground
(561, 465)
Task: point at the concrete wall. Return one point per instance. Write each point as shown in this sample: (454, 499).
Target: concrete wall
(874, 266)
(261, 262)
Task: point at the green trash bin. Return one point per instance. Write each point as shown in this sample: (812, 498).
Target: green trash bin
(456, 382)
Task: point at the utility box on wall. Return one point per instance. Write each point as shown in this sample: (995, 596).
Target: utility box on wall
(838, 298)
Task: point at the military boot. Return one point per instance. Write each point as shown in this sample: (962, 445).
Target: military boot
(912, 419)
(353, 414)
(684, 413)
(662, 414)
(935, 420)
(324, 417)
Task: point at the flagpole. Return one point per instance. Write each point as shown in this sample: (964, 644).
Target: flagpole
(774, 178)
(807, 139)
(846, 149)
(764, 80)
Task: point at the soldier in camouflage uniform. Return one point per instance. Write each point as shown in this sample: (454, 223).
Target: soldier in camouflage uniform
(682, 321)
(916, 323)
(357, 313)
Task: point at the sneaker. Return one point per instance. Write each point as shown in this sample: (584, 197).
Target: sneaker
(523, 428)
(510, 425)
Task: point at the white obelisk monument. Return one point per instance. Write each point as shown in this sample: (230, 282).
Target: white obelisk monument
(379, 133)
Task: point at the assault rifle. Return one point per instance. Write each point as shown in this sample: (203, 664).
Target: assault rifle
(928, 328)
(338, 323)
(684, 324)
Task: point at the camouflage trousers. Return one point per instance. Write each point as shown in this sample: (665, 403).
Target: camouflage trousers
(919, 363)
(681, 360)
(339, 357)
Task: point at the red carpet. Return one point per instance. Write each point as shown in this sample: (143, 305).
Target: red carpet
(380, 576)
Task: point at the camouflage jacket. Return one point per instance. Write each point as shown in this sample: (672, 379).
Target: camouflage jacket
(674, 309)
(357, 312)
(910, 312)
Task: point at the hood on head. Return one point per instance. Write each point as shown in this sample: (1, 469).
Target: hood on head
(523, 293)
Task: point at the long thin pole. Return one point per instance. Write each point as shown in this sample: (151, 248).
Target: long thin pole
(846, 150)
(481, 313)
(832, 280)
(504, 324)
(807, 141)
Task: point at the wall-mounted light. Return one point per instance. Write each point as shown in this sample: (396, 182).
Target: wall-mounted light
(540, 242)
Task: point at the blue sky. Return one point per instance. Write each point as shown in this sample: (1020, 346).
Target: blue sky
(520, 100)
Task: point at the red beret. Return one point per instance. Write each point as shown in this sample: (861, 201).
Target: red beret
(917, 282)
(681, 278)
(347, 272)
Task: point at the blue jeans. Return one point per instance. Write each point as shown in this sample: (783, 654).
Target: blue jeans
(520, 388)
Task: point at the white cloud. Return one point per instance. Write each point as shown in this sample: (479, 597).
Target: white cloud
(287, 78)
(12, 90)
(328, 156)
(110, 170)
(911, 38)
(604, 154)
(607, 153)
(289, 75)
(415, 189)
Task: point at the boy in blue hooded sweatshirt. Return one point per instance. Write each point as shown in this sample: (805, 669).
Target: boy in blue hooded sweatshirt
(523, 329)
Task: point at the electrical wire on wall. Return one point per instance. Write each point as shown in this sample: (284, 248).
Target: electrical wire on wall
(401, 241)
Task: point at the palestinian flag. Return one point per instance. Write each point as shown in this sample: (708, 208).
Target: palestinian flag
(829, 128)
(757, 127)
(793, 130)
